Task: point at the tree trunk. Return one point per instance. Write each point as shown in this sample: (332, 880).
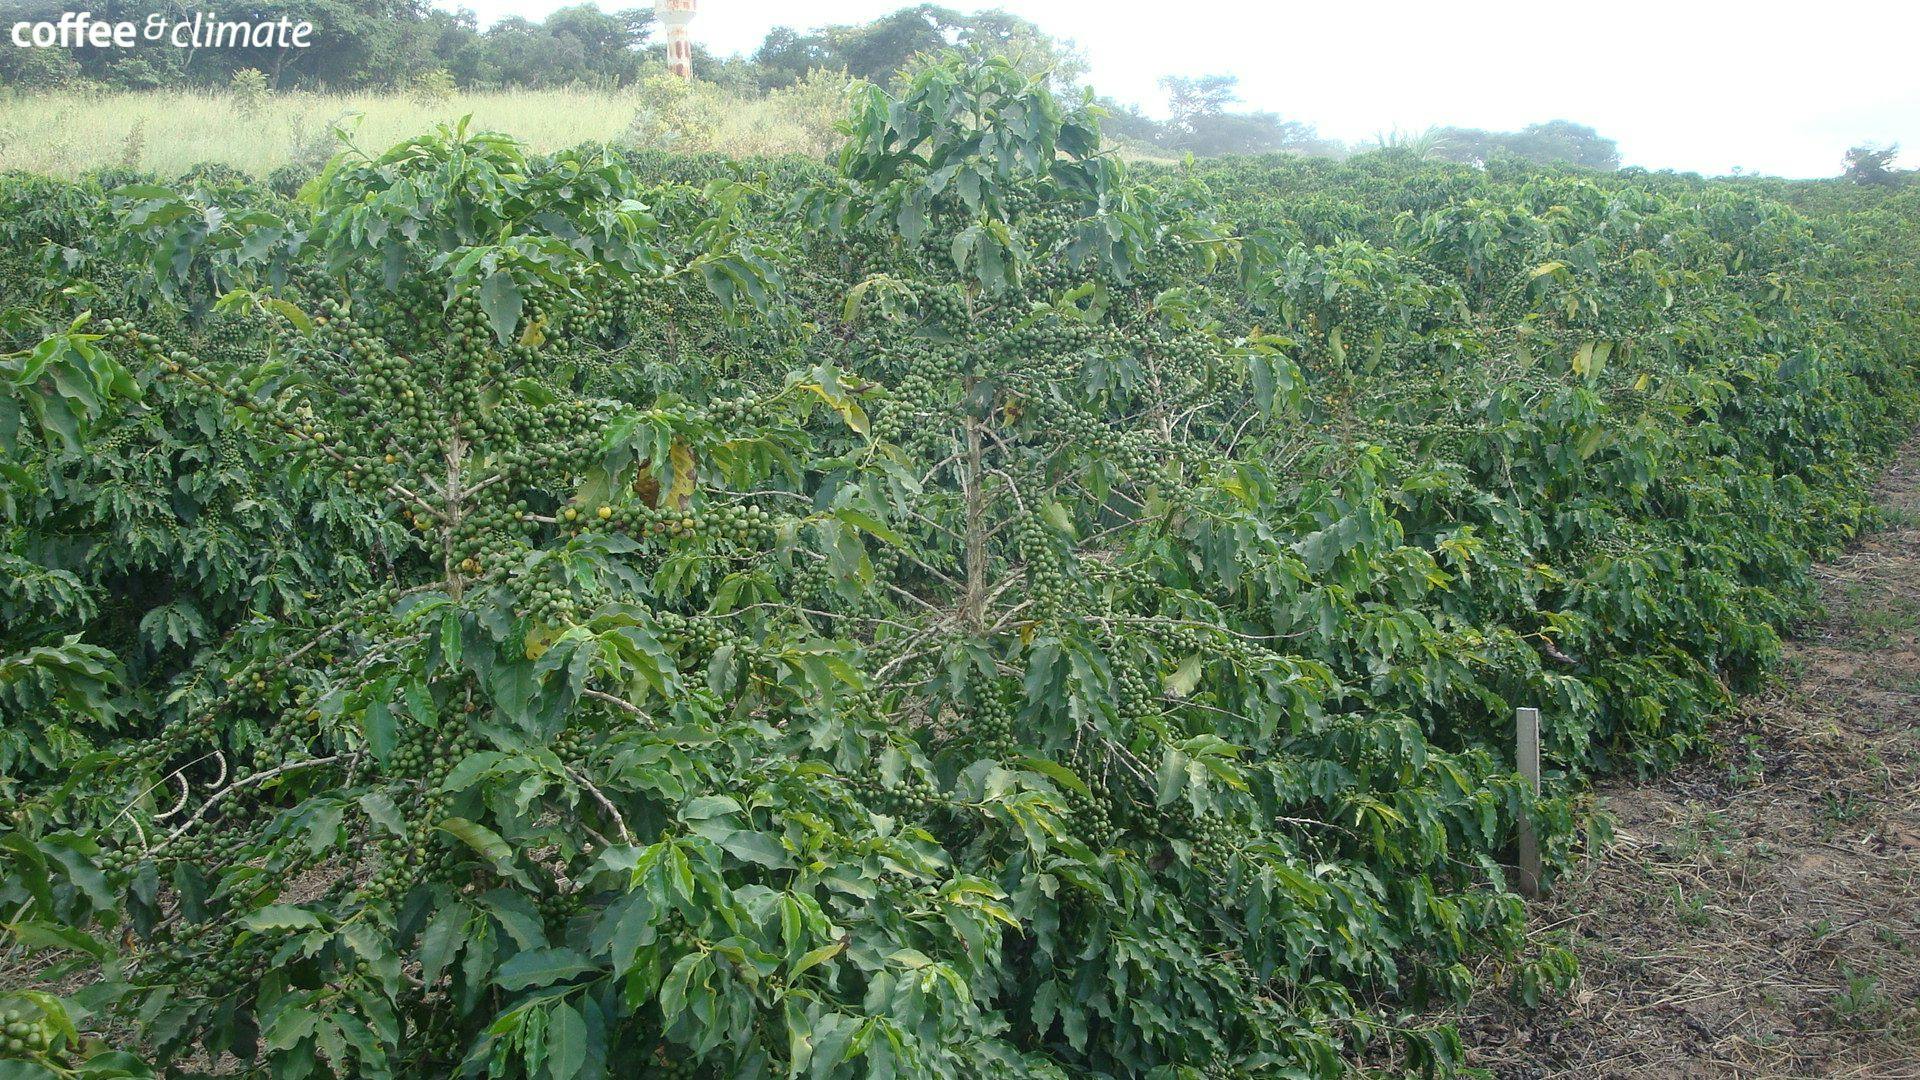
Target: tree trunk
(976, 505)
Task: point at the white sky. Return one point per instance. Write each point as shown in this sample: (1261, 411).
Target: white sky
(1684, 84)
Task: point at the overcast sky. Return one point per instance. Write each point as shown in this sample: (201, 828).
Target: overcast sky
(1684, 84)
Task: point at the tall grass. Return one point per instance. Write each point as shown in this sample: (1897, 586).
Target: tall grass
(63, 133)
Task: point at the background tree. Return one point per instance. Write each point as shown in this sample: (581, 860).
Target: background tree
(1024, 45)
(575, 44)
(1127, 122)
(787, 54)
(1203, 122)
(1872, 165)
(369, 44)
(1565, 142)
(1556, 142)
(880, 49)
(887, 47)
(37, 69)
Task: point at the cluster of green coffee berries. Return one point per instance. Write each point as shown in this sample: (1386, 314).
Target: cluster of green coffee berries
(312, 436)
(22, 1035)
(1214, 842)
(695, 635)
(1220, 1066)
(402, 861)
(741, 524)
(1091, 815)
(227, 838)
(207, 954)
(551, 603)
(732, 412)
(991, 724)
(1044, 337)
(557, 907)
(259, 684)
(1178, 356)
(424, 759)
(573, 744)
(1046, 578)
(490, 535)
(437, 392)
(145, 761)
(901, 414)
(1127, 588)
(945, 306)
(1139, 453)
(429, 753)
(594, 306)
(1138, 691)
(813, 586)
(122, 331)
(556, 434)
(408, 315)
(913, 797)
(1045, 415)
(1182, 638)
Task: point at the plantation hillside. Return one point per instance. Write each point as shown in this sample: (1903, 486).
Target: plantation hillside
(971, 609)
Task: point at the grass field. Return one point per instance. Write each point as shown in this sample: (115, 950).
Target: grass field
(66, 133)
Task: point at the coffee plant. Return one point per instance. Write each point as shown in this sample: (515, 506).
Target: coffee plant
(970, 609)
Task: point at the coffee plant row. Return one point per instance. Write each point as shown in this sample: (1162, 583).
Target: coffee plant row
(972, 609)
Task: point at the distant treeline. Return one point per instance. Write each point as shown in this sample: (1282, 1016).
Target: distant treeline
(404, 44)
(358, 45)
(386, 44)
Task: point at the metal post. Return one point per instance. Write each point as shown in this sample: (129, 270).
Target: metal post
(1526, 753)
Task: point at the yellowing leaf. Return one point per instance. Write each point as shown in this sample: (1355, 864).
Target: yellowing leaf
(683, 471)
(539, 639)
(1591, 358)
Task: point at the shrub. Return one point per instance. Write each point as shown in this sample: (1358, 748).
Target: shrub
(673, 114)
(250, 93)
(431, 88)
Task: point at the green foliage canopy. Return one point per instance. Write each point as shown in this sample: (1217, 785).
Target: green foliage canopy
(974, 610)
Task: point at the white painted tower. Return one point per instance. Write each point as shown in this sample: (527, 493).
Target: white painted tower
(675, 15)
